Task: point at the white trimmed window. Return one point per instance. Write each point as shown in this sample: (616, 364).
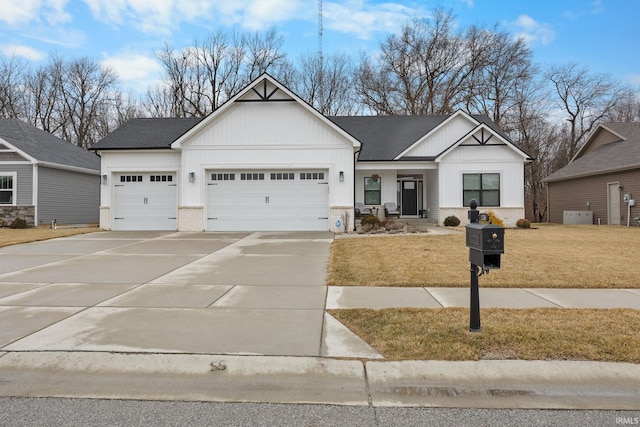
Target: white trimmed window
(8, 188)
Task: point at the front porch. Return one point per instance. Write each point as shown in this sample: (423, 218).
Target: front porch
(413, 191)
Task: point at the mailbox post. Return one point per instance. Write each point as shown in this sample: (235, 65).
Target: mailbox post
(486, 244)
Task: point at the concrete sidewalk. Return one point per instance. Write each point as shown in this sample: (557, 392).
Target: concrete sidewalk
(341, 297)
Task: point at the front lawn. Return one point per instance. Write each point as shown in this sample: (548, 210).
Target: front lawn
(10, 236)
(533, 334)
(551, 255)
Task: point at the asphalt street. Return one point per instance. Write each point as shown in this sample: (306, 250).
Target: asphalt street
(17, 412)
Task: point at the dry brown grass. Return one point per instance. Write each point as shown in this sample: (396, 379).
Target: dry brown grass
(536, 334)
(550, 255)
(10, 236)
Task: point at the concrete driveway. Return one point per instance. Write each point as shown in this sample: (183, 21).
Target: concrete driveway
(163, 292)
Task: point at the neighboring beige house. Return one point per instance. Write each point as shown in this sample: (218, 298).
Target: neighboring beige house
(601, 179)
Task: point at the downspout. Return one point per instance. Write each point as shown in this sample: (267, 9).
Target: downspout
(355, 155)
(34, 197)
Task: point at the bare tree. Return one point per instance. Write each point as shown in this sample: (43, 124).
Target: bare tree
(585, 99)
(423, 70)
(12, 74)
(326, 84)
(502, 66)
(86, 88)
(264, 53)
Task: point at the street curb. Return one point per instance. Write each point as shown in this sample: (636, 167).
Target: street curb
(273, 379)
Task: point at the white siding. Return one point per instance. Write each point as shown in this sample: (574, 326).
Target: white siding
(433, 195)
(443, 138)
(134, 161)
(268, 136)
(482, 159)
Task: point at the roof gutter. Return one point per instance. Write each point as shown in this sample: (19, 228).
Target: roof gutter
(600, 172)
(68, 168)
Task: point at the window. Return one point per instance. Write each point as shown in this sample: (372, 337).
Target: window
(252, 177)
(161, 178)
(280, 176)
(372, 191)
(223, 177)
(311, 175)
(131, 178)
(484, 187)
(7, 189)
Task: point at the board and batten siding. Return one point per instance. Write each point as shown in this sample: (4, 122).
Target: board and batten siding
(134, 161)
(268, 135)
(482, 159)
(441, 139)
(573, 195)
(67, 197)
(24, 184)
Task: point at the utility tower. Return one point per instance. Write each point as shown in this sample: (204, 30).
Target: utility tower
(320, 30)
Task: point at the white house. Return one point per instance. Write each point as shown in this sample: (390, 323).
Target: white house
(266, 160)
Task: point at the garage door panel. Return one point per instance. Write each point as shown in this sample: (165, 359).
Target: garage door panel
(144, 201)
(269, 204)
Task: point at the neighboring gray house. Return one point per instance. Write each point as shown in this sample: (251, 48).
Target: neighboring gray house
(43, 178)
(599, 181)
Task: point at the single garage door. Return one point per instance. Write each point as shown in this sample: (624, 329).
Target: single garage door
(145, 201)
(268, 201)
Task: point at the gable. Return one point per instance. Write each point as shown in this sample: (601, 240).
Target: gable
(263, 114)
(441, 138)
(8, 154)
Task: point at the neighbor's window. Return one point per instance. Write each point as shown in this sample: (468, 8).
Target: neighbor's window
(7, 189)
(372, 186)
(484, 187)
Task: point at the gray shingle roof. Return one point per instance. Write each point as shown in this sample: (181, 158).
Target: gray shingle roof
(384, 137)
(45, 147)
(609, 157)
(146, 134)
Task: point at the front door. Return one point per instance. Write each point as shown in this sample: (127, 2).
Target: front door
(409, 198)
(614, 203)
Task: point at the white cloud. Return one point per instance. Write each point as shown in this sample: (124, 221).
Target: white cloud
(634, 79)
(362, 19)
(532, 31)
(135, 70)
(22, 51)
(26, 11)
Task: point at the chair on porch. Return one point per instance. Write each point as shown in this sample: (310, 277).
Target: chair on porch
(361, 210)
(391, 209)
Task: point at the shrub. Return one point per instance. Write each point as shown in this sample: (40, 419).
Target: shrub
(391, 224)
(451, 221)
(495, 220)
(18, 223)
(371, 220)
(523, 223)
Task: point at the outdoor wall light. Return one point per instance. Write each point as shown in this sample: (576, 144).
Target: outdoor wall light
(192, 177)
(104, 179)
(341, 176)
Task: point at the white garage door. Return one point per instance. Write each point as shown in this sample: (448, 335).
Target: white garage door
(268, 201)
(145, 201)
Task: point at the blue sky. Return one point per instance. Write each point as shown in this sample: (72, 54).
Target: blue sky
(602, 35)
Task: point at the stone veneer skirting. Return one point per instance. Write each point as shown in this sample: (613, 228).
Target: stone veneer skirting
(9, 213)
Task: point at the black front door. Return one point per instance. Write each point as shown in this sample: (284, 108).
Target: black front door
(409, 198)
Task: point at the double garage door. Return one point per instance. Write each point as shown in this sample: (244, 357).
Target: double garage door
(236, 201)
(267, 200)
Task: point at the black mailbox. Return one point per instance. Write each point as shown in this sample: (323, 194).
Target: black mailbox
(486, 244)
